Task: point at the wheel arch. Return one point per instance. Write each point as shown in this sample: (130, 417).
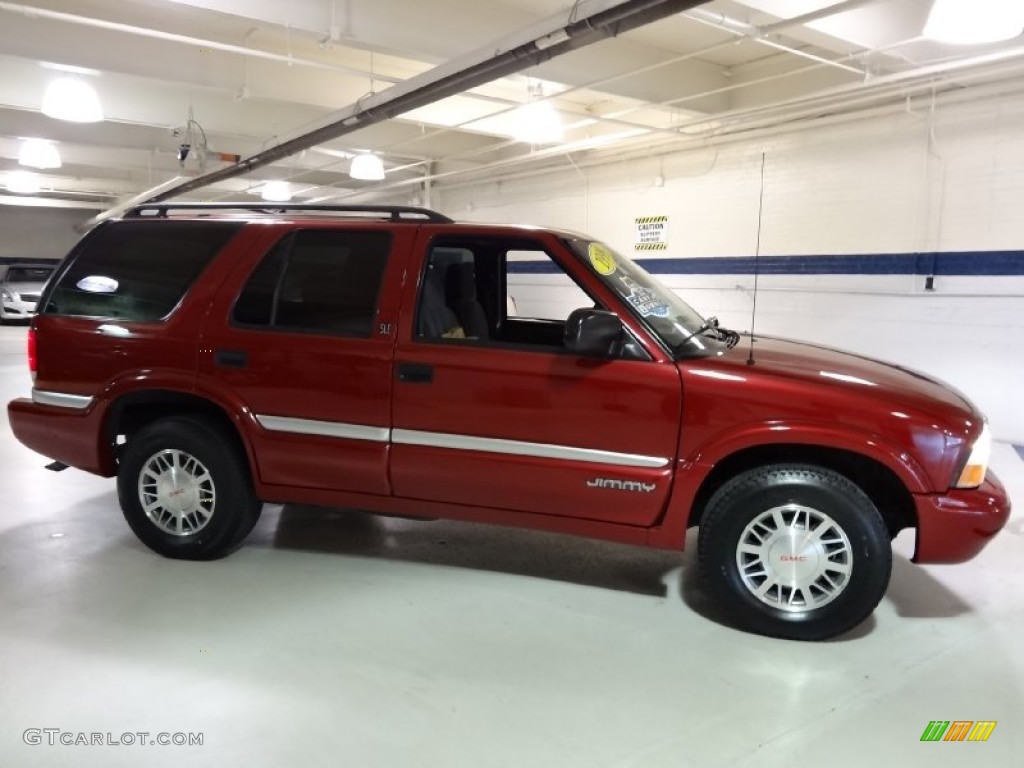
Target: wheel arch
(886, 489)
(134, 410)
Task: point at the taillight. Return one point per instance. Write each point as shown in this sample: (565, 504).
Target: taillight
(32, 351)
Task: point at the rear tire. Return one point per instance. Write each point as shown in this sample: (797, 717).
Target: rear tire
(794, 551)
(185, 489)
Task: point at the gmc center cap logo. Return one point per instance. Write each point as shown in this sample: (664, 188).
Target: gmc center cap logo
(791, 564)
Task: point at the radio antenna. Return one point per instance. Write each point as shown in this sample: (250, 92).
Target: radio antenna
(757, 257)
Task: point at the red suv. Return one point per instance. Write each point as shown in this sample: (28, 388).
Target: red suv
(216, 357)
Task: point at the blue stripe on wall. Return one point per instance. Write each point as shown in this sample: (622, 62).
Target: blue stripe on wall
(971, 263)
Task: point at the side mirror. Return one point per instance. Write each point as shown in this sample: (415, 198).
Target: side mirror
(592, 332)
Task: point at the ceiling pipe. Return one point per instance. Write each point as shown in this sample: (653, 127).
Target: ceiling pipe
(728, 124)
(717, 19)
(787, 124)
(896, 82)
(587, 23)
(58, 16)
(782, 124)
(779, 26)
(822, 13)
(674, 131)
(741, 121)
(699, 14)
(755, 34)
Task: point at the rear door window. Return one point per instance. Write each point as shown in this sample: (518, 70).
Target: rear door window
(317, 281)
(137, 270)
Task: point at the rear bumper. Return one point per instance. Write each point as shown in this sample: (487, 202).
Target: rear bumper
(68, 435)
(956, 526)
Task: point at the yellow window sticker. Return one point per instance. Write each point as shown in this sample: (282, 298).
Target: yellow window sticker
(602, 259)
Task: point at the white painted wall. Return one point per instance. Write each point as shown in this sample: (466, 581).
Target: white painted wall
(952, 181)
(28, 233)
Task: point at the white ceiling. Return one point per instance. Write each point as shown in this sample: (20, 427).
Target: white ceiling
(251, 71)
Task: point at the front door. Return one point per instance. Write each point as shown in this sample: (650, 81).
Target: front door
(491, 410)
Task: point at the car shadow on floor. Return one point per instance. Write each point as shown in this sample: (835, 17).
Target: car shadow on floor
(473, 546)
(913, 591)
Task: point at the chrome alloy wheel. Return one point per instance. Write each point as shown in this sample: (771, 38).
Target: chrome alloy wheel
(177, 493)
(794, 558)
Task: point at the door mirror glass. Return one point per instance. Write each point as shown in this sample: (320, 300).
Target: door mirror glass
(592, 332)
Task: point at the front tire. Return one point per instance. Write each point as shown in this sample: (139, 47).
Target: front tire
(185, 489)
(794, 551)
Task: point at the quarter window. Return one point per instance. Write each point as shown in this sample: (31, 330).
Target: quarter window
(137, 270)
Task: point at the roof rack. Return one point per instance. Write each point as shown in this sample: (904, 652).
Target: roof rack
(391, 212)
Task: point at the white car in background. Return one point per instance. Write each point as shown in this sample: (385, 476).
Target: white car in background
(20, 287)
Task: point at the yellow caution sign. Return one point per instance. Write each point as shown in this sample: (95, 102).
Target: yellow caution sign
(651, 233)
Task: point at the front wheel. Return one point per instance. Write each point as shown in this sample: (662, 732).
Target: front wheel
(795, 551)
(185, 489)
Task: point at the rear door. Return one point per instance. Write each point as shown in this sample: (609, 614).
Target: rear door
(491, 410)
(301, 338)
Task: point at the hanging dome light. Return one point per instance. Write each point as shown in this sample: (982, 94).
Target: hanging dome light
(276, 191)
(68, 98)
(366, 167)
(537, 123)
(39, 153)
(974, 22)
(22, 182)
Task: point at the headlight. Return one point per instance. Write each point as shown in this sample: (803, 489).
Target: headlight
(5, 295)
(974, 471)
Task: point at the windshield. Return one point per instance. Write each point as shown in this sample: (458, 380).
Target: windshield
(28, 274)
(674, 321)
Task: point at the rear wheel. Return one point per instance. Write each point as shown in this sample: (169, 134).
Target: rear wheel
(185, 489)
(795, 551)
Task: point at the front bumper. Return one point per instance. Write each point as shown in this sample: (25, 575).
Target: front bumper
(955, 526)
(17, 309)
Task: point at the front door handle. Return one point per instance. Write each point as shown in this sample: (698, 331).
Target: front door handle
(414, 373)
(231, 358)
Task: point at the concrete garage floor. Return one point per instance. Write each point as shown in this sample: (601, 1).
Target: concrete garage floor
(341, 638)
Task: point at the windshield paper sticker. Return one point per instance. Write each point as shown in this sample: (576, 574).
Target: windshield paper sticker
(602, 259)
(647, 302)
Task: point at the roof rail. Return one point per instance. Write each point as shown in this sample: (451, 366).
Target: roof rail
(391, 212)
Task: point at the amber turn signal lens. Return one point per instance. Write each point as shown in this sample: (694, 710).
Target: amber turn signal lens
(977, 463)
(972, 476)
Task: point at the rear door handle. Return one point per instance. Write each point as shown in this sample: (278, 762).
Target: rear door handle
(231, 358)
(415, 373)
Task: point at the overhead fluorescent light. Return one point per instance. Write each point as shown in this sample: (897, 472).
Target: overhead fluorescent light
(276, 191)
(974, 22)
(366, 167)
(39, 153)
(537, 123)
(22, 182)
(68, 98)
